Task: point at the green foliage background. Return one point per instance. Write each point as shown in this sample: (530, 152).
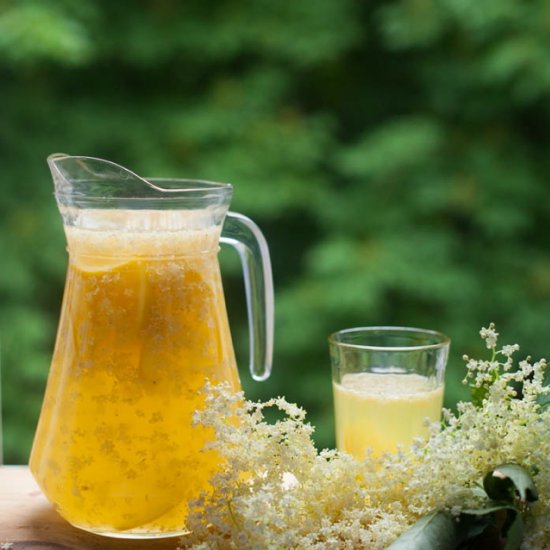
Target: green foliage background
(395, 154)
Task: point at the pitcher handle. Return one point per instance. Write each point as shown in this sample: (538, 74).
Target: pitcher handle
(245, 236)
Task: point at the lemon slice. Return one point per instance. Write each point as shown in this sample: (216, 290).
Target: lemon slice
(98, 264)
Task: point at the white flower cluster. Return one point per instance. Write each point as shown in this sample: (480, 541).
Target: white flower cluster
(276, 491)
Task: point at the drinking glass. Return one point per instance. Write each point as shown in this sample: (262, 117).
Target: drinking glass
(387, 383)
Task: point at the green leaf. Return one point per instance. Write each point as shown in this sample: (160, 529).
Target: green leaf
(509, 482)
(515, 533)
(436, 531)
(479, 394)
(500, 527)
(544, 400)
(471, 526)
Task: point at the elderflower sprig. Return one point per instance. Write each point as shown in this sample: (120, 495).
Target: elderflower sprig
(274, 490)
(482, 374)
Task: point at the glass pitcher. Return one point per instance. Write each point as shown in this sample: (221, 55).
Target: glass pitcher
(143, 327)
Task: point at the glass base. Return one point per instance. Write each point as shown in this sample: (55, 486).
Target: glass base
(135, 535)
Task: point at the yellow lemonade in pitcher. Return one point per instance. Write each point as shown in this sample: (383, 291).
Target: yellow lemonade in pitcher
(143, 326)
(380, 411)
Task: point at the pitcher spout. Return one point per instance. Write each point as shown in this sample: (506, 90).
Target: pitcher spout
(87, 177)
(87, 181)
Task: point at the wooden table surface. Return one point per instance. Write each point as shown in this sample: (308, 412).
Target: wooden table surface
(28, 521)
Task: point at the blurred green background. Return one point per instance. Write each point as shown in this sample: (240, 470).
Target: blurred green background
(395, 153)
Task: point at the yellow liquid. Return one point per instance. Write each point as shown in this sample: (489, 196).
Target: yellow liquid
(380, 411)
(115, 449)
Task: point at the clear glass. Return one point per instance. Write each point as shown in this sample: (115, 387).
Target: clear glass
(386, 382)
(143, 326)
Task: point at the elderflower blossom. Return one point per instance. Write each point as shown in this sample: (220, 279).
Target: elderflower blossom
(490, 335)
(276, 491)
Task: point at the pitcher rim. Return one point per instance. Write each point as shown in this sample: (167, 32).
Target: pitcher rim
(186, 187)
